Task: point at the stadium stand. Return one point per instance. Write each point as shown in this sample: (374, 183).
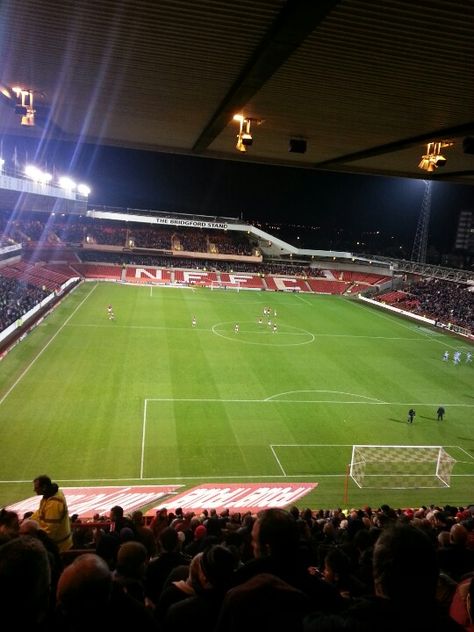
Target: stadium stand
(56, 247)
(97, 271)
(445, 301)
(327, 287)
(392, 297)
(16, 299)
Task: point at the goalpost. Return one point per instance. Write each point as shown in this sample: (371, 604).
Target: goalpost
(222, 285)
(401, 466)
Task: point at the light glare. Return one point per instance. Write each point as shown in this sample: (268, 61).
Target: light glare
(66, 183)
(83, 189)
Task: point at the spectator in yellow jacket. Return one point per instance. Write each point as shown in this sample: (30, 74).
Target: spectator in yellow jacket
(52, 514)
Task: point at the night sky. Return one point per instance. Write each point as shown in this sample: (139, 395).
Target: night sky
(353, 204)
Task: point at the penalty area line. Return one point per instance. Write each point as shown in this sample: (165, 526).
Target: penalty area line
(277, 460)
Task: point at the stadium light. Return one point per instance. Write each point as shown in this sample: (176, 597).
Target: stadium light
(2, 162)
(45, 177)
(33, 172)
(37, 175)
(244, 137)
(83, 189)
(433, 157)
(25, 106)
(66, 183)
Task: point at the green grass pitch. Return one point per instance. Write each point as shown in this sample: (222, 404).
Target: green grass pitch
(148, 398)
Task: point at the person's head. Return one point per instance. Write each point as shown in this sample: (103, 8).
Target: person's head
(44, 486)
(459, 535)
(169, 540)
(329, 529)
(116, 513)
(200, 532)
(137, 518)
(405, 566)
(217, 566)
(162, 514)
(29, 527)
(25, 578)
(275, 533)
(9, 524)
(132, 559)
(336, 566)
(126, 534)
(84, 588)
(444, 539)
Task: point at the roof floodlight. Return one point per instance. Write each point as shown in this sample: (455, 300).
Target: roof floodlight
(66, 183)
(33, 172)
(433, 157)
(44, 177)
(244, 137)
(83, 189)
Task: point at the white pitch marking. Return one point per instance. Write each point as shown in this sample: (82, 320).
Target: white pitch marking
(40, 353)
(277, 460)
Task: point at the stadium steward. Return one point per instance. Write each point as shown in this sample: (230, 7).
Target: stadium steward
(52, 514)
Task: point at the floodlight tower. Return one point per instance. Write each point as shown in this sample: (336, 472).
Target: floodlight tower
(420, 244)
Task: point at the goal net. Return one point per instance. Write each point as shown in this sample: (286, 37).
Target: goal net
(221, 285)
(401, 466)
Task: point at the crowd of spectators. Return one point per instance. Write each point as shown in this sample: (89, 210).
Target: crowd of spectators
(299, 570)
(16, 299)
(445, 301)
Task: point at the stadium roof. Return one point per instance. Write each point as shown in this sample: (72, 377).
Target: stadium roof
(366, 84)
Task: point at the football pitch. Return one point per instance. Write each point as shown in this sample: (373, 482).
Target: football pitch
(148, 398)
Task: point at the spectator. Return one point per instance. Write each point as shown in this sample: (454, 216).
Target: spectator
(143, 533)
(89, 599)
(215, 570)
(25, 583)
(132, 558)
(199, 541)
(275, 541)
(160, 567)
(52, 514)
(462, 605)
(405, 580)
(175, 589)
(9, 525)
(264, 602)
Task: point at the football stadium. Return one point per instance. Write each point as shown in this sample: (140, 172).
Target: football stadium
(198, 375)
(208, 418)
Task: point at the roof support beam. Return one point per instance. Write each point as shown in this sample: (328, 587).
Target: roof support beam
(296, 21)
(398, 145)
